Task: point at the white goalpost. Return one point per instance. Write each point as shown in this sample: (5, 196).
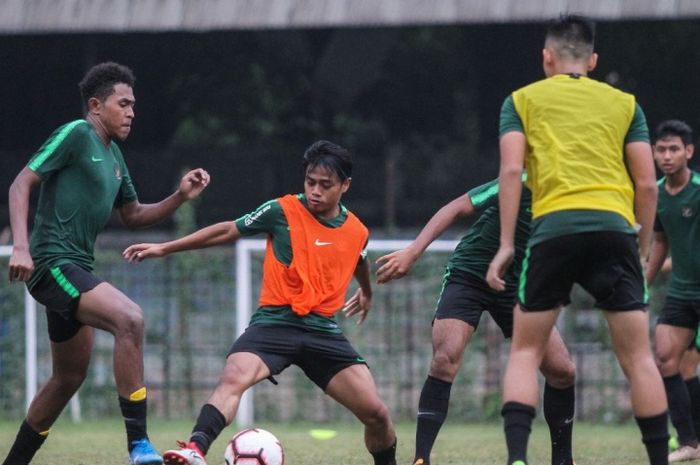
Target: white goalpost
(30, 343)
(30, 363)
(244, 295)
(245, 248)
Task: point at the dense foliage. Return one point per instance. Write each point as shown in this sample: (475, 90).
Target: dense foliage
(418, 106)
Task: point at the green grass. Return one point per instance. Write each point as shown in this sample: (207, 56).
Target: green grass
(103, 443)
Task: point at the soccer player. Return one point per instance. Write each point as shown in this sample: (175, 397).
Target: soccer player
(315, 246)
(677, 228)
(590, 169)
(464, 297)
(83, 177)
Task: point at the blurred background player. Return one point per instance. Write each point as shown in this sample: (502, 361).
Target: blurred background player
(83, 177)
(677, 228)
(315, 246)
(688, 365)
(592, 185)
(465, 295)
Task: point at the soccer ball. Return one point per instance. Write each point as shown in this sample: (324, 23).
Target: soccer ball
(254, 446)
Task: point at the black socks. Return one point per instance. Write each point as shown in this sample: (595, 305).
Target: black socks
(655, 437)
(432, 411)
(517, 424)
(558, 407)
(25, 446)
(386, 456)
(134, 413)
(679, 409)
(210, 423)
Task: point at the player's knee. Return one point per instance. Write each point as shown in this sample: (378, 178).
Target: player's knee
(68, 381)
(560, 375)
(377, 416)
(566, 375)
(229, 381)
(444, 366)
(233, 380)
(74, 380)
(130, 320)
(667, 363)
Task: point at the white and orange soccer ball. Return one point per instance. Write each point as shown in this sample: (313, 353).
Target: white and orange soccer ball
(254, 446)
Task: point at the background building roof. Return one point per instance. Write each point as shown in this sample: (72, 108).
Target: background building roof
(50, 16)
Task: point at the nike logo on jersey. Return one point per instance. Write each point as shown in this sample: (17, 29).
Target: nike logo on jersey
(94, 158)
(319, 243)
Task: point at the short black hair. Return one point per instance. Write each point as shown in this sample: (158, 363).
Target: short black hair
(329, 156)
(100, 80)
(674, 127)
(574, 36)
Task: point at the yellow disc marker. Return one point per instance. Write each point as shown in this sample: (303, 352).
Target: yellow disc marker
(323, 433)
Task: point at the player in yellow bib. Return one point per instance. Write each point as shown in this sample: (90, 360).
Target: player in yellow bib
(590, 170)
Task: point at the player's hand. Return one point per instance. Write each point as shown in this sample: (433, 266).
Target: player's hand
(395, 265)
(497, 269)
(358, 304)
(193, 183)
(21, 265)
(139, 252)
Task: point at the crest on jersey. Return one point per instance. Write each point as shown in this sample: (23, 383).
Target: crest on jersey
(117, 171)
(687, 211)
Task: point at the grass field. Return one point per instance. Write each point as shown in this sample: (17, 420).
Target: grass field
(102, 442)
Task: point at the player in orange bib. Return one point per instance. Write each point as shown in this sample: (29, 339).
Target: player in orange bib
(314, 248)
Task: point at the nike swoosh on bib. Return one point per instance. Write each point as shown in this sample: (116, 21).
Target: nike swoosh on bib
(318, 243)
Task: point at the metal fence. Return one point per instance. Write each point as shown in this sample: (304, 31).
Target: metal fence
(188, 300)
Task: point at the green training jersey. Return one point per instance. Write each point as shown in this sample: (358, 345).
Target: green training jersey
(477, 247)
(678, 217)
(269, 218)
(574, 221)
(82, 181)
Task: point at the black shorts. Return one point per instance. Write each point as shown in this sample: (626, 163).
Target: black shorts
(59, 289)
(320, 355)
(465, 297)
(604, 263)
(680, 312)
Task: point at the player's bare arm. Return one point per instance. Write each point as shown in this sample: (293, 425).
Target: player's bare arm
(657, 256)
(361, 301)
(640, 164)
(136, 215)
(21, 265)
(513, 146)
(398, 264)
(217, 234)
